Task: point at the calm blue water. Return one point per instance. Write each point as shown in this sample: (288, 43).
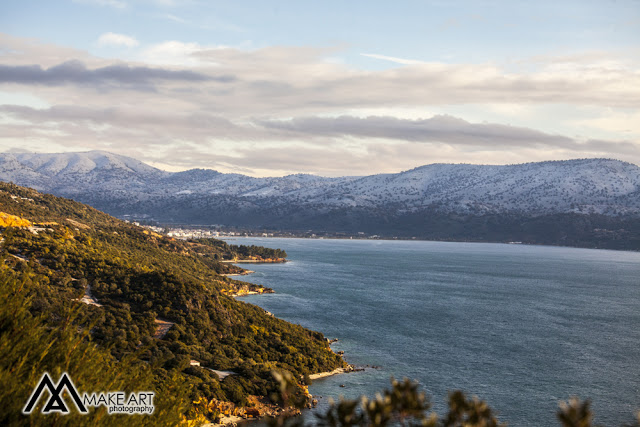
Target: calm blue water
(520, 326)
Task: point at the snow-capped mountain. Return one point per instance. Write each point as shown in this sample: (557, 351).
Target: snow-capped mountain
(587, 202)
(72, 173)
(583, 186)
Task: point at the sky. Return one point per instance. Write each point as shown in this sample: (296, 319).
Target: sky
(333, 88)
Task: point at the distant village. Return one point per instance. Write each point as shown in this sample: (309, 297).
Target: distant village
(197, 233)
(185, 232)
(218, 231)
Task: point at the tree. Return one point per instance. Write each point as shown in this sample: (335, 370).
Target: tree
(405, 405)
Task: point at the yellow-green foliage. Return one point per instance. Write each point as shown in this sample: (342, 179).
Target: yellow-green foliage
(138, 278)
(28, 348)
(8, 220)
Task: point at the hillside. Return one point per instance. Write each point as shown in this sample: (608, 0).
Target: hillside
(588, 202)
(161, 299)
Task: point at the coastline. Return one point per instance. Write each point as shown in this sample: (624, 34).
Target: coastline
(232, 420)
(337, 371)
(410, 239)
(256, 261)
(246, 293)
(244, 273)
(318, 375)
(226, 420)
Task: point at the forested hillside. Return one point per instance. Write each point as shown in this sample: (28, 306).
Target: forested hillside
(145, 294)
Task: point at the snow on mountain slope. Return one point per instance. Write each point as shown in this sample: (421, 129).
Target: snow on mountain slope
(69, 173)
(593, 184)
(583, 186)
(82, 163)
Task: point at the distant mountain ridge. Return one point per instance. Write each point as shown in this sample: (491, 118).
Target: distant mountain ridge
(72, 172)
(378, 204)
(586, 185)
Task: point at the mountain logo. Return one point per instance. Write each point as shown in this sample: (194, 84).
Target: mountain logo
(55, 403)
(116, 402)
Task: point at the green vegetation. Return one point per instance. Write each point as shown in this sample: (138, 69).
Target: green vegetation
(138, 277)
(29, 347)
(405, 405)
(225, 251)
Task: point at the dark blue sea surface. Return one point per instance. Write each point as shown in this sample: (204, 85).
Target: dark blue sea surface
(522, 327)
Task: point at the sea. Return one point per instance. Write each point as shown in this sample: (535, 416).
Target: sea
(521, 327)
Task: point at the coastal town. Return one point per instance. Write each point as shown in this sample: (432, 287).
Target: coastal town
(199, 233)
(218, 231)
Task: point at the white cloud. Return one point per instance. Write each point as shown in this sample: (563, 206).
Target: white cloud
(118, 4)
(113, 39)
(22, 98)
(26, 51)
(168, 3)
(393, 59)
(226, 111)
(174, 52)
(614, 122)
(171, 135)
(175, 18)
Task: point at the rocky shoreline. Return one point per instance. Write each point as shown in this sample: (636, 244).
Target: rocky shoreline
(243, 293)
(242, 273)
(259, 406)
(256, 261)
(337, 371)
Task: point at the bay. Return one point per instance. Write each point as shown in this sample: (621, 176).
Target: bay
(522, 327)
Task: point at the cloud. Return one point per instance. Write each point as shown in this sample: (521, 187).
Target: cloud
(168, 3)
(453, 131)
(298, 78)
(147, 127)
(340, 159)
(118, 4)
(173, 53)
(26, 51)
(175, 19)
(288, 109)
(283, 81)
(618, 122)
(440, 128)
(76, 73)
(113, 39)
(327, 146)
(393, 59)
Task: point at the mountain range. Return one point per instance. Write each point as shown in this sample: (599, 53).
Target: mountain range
(438, 201)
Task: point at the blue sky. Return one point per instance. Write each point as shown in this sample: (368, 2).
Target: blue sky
(331, 88)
